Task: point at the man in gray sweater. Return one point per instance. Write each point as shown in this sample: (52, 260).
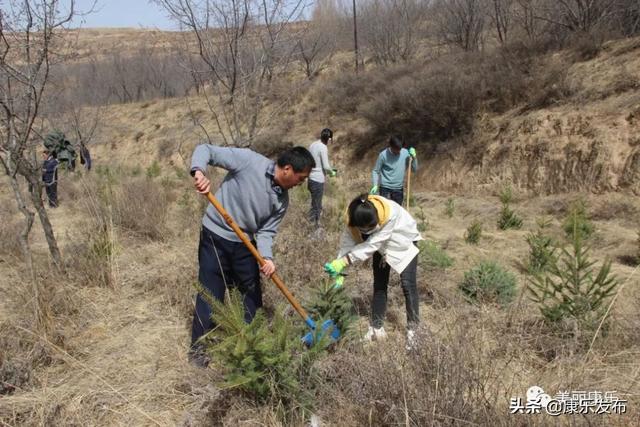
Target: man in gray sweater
(317, 177)
(255, 194)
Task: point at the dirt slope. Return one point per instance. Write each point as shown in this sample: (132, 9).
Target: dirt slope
(590, 142)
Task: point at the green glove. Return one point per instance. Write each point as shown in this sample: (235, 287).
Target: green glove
(339, 282)
(335, 267)
(412, 152)
(333, 173)
(374, 190)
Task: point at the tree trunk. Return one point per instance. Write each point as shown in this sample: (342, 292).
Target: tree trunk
(23, 237)
(36, 198)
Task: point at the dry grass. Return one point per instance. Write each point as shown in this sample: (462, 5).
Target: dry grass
(120, 352)
(140, 207)
(9, 244)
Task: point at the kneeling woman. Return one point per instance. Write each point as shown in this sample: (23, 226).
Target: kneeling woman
(383, 229)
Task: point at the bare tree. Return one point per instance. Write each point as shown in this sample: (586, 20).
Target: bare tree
(28, 36)
(315, 49)
(500, 12)
(393, 28)
(628, 17)
(243, 45)
(525, 14)
(579, 15)
(461, 22)
(317, 43)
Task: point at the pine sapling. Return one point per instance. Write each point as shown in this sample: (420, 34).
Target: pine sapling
(332, 302)
(569, 287)
(473, 233)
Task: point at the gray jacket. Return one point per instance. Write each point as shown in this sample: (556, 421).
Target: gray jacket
(248, 193)
(319, 152)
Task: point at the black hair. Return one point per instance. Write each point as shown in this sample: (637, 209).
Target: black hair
(362, 213)
(394, 141)
(299, 158)
(326, 134)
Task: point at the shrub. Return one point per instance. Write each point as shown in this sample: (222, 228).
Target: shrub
(578, 221)
(423, 224)
(541, 249)
(586, 46)
(141, 207)
(92, 262)
(438, 100)
(506, 195)
(91, 255)
(488, 282)
(153, 171)
(343, 93)
(264, 361)
(432, 256)
(331, 302)
(509, 219)
(568, 289)
(449, 207)
(551, 87)
(473, 233)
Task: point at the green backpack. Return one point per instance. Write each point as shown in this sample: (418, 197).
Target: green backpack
(56, 142)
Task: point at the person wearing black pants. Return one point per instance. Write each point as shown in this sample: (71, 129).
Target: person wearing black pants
(381, 272)
(323, 167)
(380, 228)
(317, 191)
(390, 169)
(395, 195)
(50, 177)
(225, 265)
(255, 194)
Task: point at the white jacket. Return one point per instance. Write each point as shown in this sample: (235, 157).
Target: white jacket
(394, 240)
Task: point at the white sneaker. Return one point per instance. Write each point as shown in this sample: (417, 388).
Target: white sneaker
(375, 334)
(412, 340)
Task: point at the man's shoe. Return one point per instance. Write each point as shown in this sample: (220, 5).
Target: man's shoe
(198, 357)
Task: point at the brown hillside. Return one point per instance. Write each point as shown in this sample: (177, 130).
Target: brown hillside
(589, 143)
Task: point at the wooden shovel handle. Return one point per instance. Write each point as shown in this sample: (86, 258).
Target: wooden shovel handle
(409, 182)
(274, 277)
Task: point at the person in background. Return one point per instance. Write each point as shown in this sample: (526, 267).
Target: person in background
(50, 177)
(317, 177)
(388, 173)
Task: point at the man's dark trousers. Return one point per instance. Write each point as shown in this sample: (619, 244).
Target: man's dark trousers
(52, 194)
(223, 261)
(317, 190)
(395, 195)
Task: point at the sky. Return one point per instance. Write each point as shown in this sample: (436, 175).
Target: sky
(121, 14)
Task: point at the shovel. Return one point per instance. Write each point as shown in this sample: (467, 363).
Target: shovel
(328, 326)
(409, 182)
